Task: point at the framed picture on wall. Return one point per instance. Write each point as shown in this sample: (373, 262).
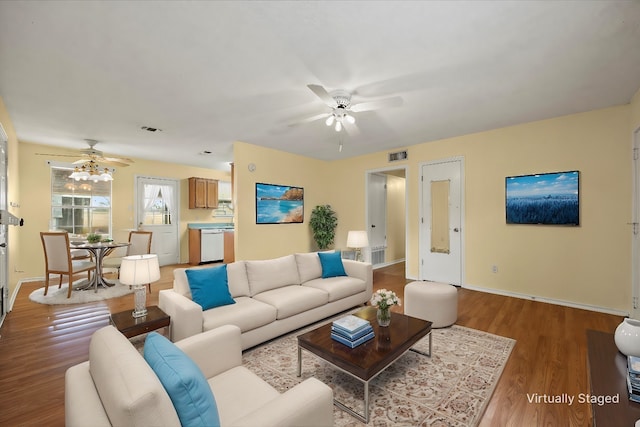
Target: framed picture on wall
(546, 198)
(279, 204)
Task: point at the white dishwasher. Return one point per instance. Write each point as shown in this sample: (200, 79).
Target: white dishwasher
(211, 244)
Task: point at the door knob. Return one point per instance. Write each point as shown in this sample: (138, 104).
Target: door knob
(456, 229)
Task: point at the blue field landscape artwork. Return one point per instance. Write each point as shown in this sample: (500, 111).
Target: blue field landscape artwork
(279, 204)
(550, 198)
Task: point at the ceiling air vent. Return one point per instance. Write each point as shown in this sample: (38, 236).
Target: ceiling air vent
(399, 155)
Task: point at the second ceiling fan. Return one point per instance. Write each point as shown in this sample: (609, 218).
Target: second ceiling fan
(341, 114)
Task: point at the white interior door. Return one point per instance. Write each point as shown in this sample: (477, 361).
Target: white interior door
(441, 227)
(157, 210)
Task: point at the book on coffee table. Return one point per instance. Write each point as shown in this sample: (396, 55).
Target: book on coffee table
(350, 324)
(352, 336)
(352, 344)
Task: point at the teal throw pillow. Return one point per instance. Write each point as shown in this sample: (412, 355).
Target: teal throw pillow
(331, 264)
(184, 382)
(210, 286)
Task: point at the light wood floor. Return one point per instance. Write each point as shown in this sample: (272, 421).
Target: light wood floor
(39, 342)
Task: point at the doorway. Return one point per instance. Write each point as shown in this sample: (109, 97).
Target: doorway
(441, 221)
(386, 213)
(157, 210)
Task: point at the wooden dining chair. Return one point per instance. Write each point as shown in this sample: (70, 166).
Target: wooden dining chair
(58, 259)
(140, 244)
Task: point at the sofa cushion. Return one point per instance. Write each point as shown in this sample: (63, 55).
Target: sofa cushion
(265, 275)
(131, 393)
(291, 300)
(246, 313)
(338, 287)
(209, 287)
(331, 264)
(236, 278)
(309, 266)
(184, 382)
(240, 392)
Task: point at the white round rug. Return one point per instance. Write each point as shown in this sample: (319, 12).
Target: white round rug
(59, 296)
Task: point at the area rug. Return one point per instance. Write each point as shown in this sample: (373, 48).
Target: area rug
(59, 296)
(451, 388)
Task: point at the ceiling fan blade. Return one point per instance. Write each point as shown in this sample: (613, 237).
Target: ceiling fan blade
(56, 155)
(114, 162)
(116, 159)
(310, 119)
(322, 93)
(395, 101)
(351, 129)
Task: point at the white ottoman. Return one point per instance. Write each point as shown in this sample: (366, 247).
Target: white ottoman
(432, 301)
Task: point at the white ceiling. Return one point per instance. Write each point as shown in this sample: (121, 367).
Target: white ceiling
(210, 73)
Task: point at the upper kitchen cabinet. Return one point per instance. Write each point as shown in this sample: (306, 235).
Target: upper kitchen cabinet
(203, 193)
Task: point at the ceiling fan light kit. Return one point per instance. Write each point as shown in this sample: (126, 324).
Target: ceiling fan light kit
(91, 171)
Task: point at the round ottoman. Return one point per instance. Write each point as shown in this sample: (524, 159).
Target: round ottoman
(432, 301)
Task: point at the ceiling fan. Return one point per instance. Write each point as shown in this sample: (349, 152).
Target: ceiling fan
(92, 155)
(342, 109)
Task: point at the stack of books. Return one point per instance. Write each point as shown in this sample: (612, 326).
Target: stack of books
(351, 331)
(633, 378)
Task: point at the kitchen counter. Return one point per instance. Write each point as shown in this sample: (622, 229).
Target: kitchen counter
(206, 245)
(202, 225)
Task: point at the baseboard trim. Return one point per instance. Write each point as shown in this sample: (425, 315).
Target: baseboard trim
(548, 300)
(387, 264)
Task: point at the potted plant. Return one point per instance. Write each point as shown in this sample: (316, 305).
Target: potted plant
(323, 223)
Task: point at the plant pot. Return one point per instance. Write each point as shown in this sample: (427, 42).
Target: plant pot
(627, 337)
(384, 316)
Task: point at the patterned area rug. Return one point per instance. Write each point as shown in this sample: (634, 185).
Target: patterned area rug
(452, 388)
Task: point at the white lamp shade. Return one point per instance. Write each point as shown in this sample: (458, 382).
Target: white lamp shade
(357, 239)
(139, 269)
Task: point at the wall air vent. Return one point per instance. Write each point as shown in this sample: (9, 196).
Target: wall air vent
(397, 156)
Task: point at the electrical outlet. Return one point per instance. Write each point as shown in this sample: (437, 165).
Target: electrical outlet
(494, 269)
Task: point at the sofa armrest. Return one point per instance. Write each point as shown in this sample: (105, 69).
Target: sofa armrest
(186, 315)
(82, 404)
(361, 270)
(214, 351)
(308, 404)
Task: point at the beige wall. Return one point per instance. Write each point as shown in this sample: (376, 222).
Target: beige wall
(35, 204)
(588, 265)
(263, 241)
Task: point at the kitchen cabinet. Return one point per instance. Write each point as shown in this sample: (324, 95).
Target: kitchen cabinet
(203, 193)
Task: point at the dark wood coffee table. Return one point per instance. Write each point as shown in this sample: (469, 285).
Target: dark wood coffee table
(132, 326)
(367, 360)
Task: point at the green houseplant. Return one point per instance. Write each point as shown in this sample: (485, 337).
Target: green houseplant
(323, 223)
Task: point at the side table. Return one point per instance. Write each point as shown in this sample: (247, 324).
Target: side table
(131, 326)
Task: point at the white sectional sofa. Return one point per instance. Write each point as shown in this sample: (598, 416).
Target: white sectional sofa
(117, 387)
(272, 297)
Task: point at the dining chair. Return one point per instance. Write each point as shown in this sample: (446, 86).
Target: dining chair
(140, 244)
(58, 259)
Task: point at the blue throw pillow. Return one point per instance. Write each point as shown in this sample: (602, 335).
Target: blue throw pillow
(184, 382)
(331, 264)
(210, 287)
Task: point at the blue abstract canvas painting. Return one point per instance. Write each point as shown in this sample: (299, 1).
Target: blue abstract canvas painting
(549, 198)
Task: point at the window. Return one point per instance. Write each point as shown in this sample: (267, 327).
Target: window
(157, 204)
(79, 207)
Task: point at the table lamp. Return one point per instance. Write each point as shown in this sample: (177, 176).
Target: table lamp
(138, 271)
(357, 240)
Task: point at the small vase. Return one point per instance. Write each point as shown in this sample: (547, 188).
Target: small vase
(627, 337)
(384, 316)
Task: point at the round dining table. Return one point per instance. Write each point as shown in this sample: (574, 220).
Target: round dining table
(99, 250)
